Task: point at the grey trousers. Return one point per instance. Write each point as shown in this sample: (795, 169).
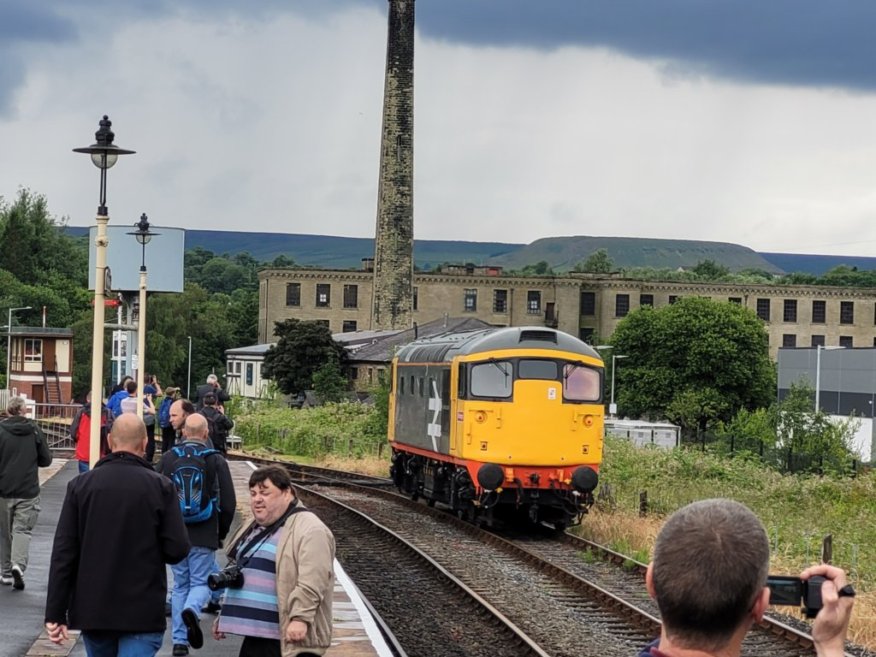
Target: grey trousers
(17, 520)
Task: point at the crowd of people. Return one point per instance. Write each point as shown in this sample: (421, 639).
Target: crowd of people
(127, 519)
(124, 521)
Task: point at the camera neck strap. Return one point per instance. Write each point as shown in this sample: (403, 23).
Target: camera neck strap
(243, 553)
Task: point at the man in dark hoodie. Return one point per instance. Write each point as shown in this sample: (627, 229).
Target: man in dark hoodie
(23, 449)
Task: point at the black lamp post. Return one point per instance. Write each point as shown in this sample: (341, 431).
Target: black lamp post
(144, 236)
(104, 154)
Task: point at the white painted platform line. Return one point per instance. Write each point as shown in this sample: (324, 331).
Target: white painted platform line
(371, 628)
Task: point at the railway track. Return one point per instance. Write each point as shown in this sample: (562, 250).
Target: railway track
(569, 595)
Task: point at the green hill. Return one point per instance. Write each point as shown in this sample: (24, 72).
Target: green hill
(563, 253)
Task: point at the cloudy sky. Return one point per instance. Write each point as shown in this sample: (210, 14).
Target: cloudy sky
(733, 120)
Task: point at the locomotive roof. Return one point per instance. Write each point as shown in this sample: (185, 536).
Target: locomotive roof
(447, 347)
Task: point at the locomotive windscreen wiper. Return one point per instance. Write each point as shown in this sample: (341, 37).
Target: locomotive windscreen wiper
(575, 364)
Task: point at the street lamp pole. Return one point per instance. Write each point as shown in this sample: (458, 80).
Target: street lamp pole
(612, 407)
(104, 154)
(144, 236)
(9, 343)
(189, 381)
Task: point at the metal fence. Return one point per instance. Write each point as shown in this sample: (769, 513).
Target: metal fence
(55, 421)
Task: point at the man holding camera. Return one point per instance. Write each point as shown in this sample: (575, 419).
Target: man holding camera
(709, 578)
(280, 579)
(207, 501)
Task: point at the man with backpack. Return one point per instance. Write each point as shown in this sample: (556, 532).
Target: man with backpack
(207, 501)
(218, 424)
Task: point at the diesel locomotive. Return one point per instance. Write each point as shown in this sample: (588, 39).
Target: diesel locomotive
(499, 424)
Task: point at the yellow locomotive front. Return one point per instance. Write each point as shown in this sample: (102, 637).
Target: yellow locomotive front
(522, 429)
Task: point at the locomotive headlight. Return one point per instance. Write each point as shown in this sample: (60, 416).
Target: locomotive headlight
(584, 479)
(490, 476)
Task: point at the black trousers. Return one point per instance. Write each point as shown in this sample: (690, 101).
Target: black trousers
(168, 439)
(150, 443)
(258, 647)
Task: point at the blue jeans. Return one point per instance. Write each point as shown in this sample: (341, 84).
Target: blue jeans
(190, 589)
(119, 644)
(83, 466)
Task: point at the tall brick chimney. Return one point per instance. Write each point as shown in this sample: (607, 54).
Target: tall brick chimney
(394, 242)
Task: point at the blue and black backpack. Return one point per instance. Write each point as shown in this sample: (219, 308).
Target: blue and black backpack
(196, 484)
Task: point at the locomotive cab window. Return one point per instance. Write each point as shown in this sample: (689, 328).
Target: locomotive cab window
(581, 383)
(537, 369)
(493, 379)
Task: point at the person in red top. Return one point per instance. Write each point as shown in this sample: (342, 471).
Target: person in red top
(80, 431)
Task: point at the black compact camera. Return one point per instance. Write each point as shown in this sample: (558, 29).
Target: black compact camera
(230, 578)
(796, 592)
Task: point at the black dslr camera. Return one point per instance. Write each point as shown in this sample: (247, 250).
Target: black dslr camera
(230, 578)
(796, 592)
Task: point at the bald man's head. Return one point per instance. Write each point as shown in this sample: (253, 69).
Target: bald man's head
(196, 428)
(179, 411)
(128, 434)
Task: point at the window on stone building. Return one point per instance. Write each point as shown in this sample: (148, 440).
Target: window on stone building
(349, 326)
(847, 312)
(646, 300)
(789, 340)
(323, 295)
(471, 300)
(533, 302)
(817, 341)
(416, 297)
(588, 304)
(351, 296)
(763, 309)
(846, 341)
(500, 301)
(323, 322)
(621, 305)
(819, 312)
(293, 294)
(585, 334)
(736, 300)
(789, 311)
(673, 298)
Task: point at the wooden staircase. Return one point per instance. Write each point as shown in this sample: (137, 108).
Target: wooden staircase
(52, 387)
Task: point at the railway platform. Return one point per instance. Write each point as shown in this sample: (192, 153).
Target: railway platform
(355, 633)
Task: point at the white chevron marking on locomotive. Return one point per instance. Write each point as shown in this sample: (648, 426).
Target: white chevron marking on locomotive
(433, 428)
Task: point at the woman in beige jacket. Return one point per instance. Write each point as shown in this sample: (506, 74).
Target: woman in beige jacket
(282, 605)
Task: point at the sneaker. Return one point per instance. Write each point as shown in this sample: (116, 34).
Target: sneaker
(212, 608)
(7, 580)
(17, 578)
(180, 650)
(193, 628)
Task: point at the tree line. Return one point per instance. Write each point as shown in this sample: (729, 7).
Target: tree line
(43, 267)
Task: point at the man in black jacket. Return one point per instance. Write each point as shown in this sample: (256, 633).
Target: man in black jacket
(23, 448)
(190, 591)
(120, 524)
(211, 387)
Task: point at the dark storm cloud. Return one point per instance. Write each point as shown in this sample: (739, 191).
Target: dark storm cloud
(795, 42)
(22, 24)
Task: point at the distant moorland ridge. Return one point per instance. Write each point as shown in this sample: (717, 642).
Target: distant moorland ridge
(561, 253)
